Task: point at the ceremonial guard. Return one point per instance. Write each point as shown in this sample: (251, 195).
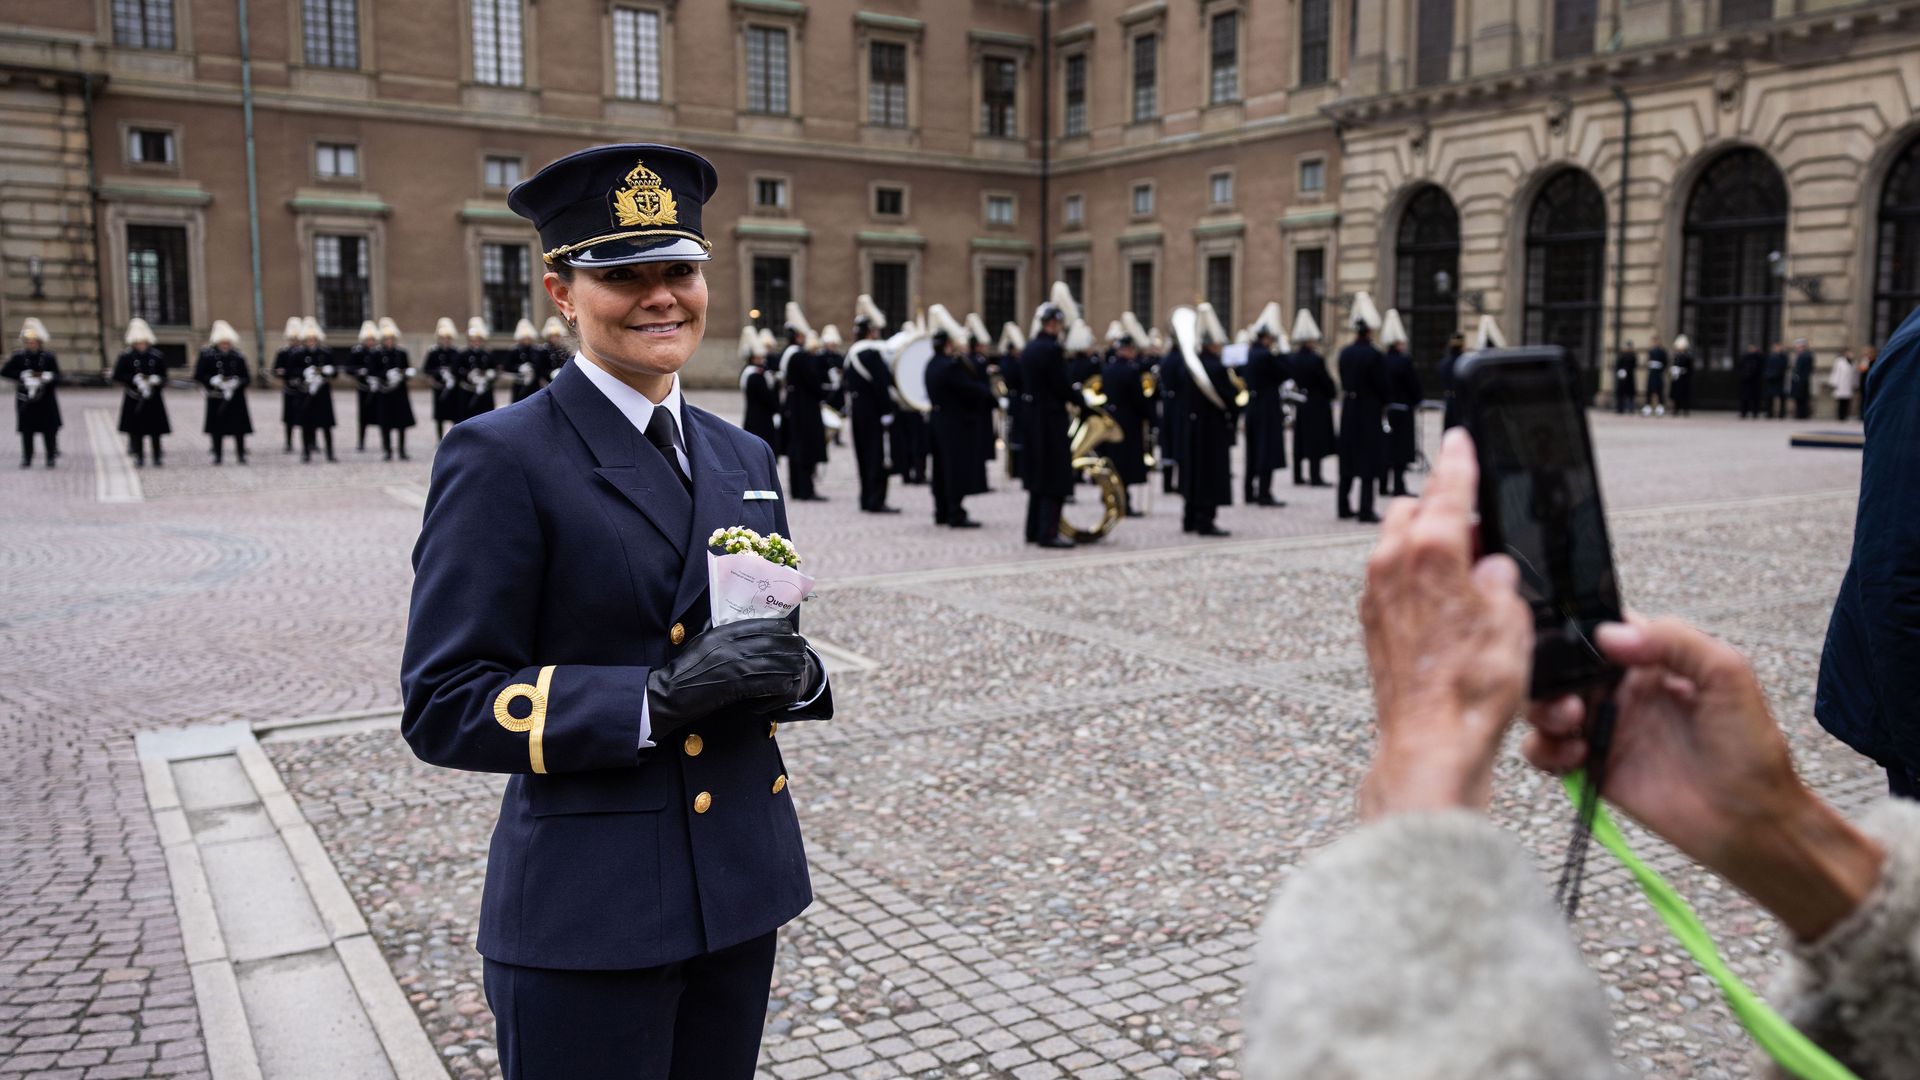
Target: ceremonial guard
(559, 348)
(806, 383)
(762, 397)
(392, 404)
(1173, 393)
(1124, 381)
(1266, 409)
(1206, 468)
(1046, 453)
(1774, 381)
(981, 365)
(222, 373)
(363, 363)
(831, 357)
(962, 415)
(1753, 380)
(443, 369)
(647, 849)
(293, 392)
(1364, 392)
(1624, 394)
(1313, 437)
(1680, 375)
(478, 370)
(36, 406)
(870, 404)
(141, 372)
(1802, 380)
(529, 361)
(1450, 412)
(316, 377)
(1403, 407)
(1658, 372)
(1013, 342)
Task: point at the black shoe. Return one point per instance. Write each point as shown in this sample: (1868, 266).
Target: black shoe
(809, 498)
(1402, 493)
(1368, 518)
(1321, 483)
(243, 459)
(1345, 513)
(27, 463)
(1136, 513)
(1212, 530)
(964, 523)
(1270, 501)
(50, 458)
(157, 463)
(388, 457)
(884, 510)
(404, 457)
(1054, 542)
(217, 461)
(331, 460)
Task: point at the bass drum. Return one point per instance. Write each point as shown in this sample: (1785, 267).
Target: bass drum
(910, 374)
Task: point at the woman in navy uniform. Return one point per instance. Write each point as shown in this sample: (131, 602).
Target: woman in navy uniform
(316, 376)
(222, 372)
(443, 368)
(142, 374)
(392, 403)
(647, 848)
(36, 410)
(1313, 418)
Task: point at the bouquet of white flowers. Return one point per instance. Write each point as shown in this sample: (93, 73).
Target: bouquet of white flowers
(750, 576)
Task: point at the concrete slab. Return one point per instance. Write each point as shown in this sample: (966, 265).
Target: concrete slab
(200, 936)
(213, 782)
(394, 1020)
(306, 1019)
(263, 905)
(221, 824)
(223, 1022)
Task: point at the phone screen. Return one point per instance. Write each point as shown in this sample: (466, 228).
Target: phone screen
(1540, 504)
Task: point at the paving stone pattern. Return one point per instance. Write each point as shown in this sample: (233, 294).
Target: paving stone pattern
(1042, 829)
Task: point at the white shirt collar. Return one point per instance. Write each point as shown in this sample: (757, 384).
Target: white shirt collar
(632, 403)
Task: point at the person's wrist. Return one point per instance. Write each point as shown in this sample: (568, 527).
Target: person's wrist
(1803, 862)
(1423, 774)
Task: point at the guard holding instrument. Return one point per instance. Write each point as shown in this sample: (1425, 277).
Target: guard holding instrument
(222, 372)
(36, 407)
(647, 848)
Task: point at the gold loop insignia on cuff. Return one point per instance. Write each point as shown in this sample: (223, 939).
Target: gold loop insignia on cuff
(535, 722)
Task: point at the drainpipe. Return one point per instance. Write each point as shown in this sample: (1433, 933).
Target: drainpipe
(1046, 143)
(1620, 220)
(253, 191)
(93, 223)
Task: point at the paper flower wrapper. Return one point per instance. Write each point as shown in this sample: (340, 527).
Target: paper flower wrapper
(746, 586)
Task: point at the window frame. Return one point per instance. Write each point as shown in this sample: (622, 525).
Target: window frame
(129, 128)
(1073, 200)
(1151, 262)
(504, 327)
(325, 142)
(184, 289)
(874, 187)
(1214, 176)
(759, 209)
(1213, 14)
(365, 236)
(869, 85)
(1133, 200)
(789, 108)
(1133, 87)
(988, 198)
(520, 79)
(1083, 57)
(357, 39)
(616, 69)
(1013, 103)
(1232, 249)
(1301, 164)
(488, 157)
(175, 28)
(1302, 79)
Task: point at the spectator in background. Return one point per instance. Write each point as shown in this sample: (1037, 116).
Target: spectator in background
(1843, 379)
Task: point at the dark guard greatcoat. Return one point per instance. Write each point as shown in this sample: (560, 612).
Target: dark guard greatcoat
(1206, 466)
(363, 363)
(869, 383)
(960, 399)
(226, 414)
(1313, 418)
(1266, 413)
(762, 404)
(1403, 414)
(477, 372)
(40, 413)
(449, 397)
(293, 393)
(393, 406)
(1173, 406)
(1046, 453)
(530, 372)
(1127, 401)
(807, 388)
(1365, 392)
(316, 408)
(142, 412)
(559, 562)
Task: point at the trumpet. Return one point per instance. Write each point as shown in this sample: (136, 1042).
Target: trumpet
(1149, 384)
(1241, 395)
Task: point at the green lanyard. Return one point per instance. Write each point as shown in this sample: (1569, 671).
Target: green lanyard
(1783, 1042)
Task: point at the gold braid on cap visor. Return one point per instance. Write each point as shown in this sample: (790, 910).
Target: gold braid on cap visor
(634, 234)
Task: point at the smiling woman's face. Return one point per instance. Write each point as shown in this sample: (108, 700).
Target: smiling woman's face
(641, 322)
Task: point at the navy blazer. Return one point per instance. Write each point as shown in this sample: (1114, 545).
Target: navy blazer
(559, 562)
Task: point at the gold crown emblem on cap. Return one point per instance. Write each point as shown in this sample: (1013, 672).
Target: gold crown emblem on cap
(644, 201)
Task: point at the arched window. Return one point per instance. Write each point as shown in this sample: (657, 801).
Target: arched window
(1566, 268)
(1735, 241)
(1896, 277)
(1427, 275)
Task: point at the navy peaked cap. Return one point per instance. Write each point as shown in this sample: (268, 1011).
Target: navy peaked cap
(620, 204)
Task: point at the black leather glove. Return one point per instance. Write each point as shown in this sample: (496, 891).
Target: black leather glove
(757, 663)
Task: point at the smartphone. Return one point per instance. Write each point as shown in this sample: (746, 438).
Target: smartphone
(1540, 504)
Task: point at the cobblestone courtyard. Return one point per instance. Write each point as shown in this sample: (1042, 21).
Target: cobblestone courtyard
(1060, 790)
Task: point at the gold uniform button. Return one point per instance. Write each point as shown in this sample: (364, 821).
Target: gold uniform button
(678, 634)
(702, 803)
(694, 745)
(780, 783)
(772, 726)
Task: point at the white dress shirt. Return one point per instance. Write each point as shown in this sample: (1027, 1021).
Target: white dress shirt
(638, 410)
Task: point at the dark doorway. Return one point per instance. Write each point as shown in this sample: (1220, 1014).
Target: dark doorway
(1896, 272)
(1566, 267)
(1427, 277)
(1733, 258)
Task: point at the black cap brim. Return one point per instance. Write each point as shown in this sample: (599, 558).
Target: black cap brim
(645, 249)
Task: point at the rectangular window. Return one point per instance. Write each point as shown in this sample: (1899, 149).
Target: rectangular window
(1076, 80)
(1075, 279)
(889, 202)
(999, 209)
(1140, 289)
(769, 193)
(330, 32)
(1573, 28)
(636, 54)
(772, 288)
(501, 171)
(143, 24)
(1435, 59)
(505, 290)
(150, 146)
(336, 161)
(999, 295)
(1220, 189)
(1309, 280)
(342, 285)
(890, 291)
(887, 84)
(1313, 176)
(1225, 56)
(496, 43)
(1146, 77)
(767, 70)
(1743, 12)
(1316, 34)
(157, 285)
(1142, 200)
(1220, 287)
(1075, 211)
(999, 82)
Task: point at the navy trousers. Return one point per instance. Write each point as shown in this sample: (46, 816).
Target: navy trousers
(699, 1019)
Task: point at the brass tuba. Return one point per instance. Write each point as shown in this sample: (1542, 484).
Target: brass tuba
(1094, 427)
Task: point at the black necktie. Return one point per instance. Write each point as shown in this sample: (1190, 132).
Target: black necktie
(664, 434)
